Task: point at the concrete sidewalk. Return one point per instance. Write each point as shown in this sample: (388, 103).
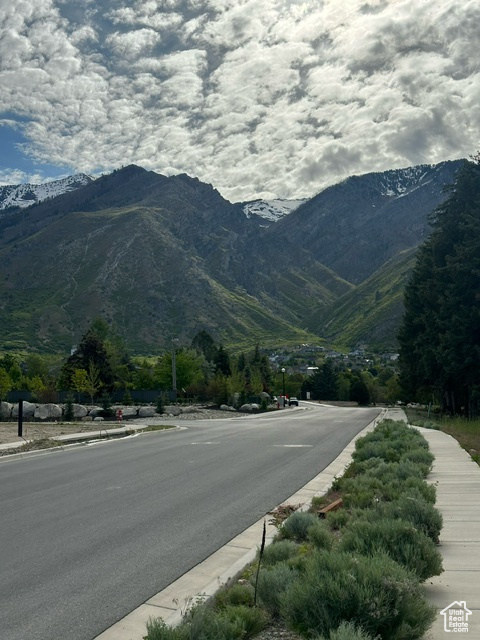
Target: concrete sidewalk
(457, 478)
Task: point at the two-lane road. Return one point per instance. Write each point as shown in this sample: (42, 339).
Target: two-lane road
(90, 533)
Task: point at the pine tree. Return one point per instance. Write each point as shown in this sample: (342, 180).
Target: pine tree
(440, 335)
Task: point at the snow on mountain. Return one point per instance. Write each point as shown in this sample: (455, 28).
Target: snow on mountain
(271, 210)
(24, 195)
(399, 182)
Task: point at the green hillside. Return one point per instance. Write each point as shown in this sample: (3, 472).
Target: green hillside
(371, 313)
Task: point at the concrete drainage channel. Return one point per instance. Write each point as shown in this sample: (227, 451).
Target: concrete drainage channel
(224, 565)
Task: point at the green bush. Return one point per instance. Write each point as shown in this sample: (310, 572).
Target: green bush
(422, 514)
(391, 471)
(157, 629)
(399, 539)
(365, 491)
(279, 551)
(420, 456)
(250, 620)
(376, 593)
(347, 631)
(272, 583)
(205, 623)
(337, 519)
(390, 440)
(69, 414)
(320, 536)
(237, 594)
(297, 525)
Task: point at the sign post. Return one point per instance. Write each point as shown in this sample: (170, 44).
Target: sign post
(20, 418)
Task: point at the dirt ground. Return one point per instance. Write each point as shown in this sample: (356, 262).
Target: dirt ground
(40, 430)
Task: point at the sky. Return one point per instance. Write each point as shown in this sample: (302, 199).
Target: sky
(260, 98)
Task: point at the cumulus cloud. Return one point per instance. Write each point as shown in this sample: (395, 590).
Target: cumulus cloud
(262, 98)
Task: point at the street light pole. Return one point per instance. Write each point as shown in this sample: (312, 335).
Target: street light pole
(174, 370)
(283, 384)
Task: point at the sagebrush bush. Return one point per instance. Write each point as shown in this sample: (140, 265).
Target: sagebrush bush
(392, 471)
(320, 536)
(296, 526)
(347, 631)
(157, 629)
(422, 514)
(272, 583)
(337, 519)
(250, 620)
(399, 539)
(390, 440)
(204, 623)
(365, 491)
(376, 594)
(237, 594)
(279, 551)
(420, 456)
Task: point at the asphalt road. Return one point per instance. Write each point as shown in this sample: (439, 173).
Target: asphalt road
(88, 534)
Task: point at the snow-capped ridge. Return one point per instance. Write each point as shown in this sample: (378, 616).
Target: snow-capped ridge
(25, 195)
(271, 210)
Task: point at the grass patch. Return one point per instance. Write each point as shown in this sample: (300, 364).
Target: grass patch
(466, 432)
(157, 427)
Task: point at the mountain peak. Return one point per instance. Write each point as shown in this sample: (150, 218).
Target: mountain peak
(27, 194)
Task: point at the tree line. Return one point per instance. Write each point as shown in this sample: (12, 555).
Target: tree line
(440, 334)
(205, 371)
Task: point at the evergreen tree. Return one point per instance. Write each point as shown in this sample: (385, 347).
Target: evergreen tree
(440, 335)
(91, 352)
(359, 391)
(222, 362)
(205, 344)
(323, 384)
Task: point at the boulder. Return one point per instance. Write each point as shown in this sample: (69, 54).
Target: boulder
(225, 407)
(146, 412)
(172, 410)
(190, 409)
(98, 419)
(94, 411)
(249, 407)
(5, 409)
(28, 410)
(48, 411)
(79, 411)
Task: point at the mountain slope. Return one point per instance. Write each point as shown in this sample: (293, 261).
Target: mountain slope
(154, 271)
(356, 226)
(164, 257)
(371, 313)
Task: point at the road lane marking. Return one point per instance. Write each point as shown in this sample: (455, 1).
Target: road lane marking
(293, 446)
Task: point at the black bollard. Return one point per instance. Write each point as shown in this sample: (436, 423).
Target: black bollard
(20, 418)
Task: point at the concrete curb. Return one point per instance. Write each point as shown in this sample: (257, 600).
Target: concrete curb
(74, 440)
(223, 566)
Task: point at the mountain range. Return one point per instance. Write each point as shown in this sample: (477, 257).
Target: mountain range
(165, 257)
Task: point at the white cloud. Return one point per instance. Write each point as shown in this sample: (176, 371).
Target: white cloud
(259, 97)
